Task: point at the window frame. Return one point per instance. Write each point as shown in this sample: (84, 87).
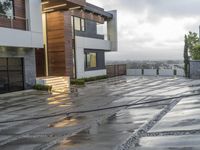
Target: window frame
(88, 67)
(82, 24)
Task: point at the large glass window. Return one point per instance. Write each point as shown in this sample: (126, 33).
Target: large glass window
(91, 60)
(79, 24)
(102, 30)
(6, 8)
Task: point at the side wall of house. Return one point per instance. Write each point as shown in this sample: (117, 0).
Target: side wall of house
(59, 44)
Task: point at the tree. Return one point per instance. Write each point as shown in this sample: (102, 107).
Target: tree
(5, 6)
(186, 57)
(193, 40)
(196, 52)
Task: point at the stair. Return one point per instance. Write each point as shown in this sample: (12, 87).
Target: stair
(59, 84)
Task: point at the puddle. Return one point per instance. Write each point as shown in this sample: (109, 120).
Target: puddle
(108, 135)
(67, 122)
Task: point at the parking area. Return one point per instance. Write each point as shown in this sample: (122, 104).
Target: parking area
(157, 99)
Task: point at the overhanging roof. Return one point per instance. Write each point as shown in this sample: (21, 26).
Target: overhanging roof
(55, 5)
(97, 10)
(49, 5)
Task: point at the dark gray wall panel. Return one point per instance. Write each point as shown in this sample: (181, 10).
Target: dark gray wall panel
(90, 30)
(100, 59)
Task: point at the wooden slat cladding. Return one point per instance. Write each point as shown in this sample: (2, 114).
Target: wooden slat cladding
(18, 22)
(40, 62)
(59, 41)
(68, 44)
(87, 15)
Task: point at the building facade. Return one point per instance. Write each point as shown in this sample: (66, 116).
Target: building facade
(77, 35)
(53, 38)
(20, 34)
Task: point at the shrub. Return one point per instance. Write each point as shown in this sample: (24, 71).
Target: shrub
(95, 78)
(77, 82)
(83, 80)
(42, 87)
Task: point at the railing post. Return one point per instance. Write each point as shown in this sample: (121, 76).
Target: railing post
(11, 22)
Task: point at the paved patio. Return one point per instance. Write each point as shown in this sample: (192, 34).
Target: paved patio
(104, 130)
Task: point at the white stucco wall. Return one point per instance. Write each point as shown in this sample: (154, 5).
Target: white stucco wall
(134, 72)
(166, 72)
(180, 72)
(32, 38)
(88, 43)
(150, 72)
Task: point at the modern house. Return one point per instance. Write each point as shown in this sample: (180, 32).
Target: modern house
(68, 39)
(20, 34)
(76, 37)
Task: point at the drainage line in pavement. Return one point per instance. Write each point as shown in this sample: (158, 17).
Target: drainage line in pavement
(95, 110)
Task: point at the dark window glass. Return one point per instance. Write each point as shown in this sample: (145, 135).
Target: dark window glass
(91, 60)
(11, 74)
(6, 8)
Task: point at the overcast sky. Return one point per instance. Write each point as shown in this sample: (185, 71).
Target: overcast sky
(152, 29)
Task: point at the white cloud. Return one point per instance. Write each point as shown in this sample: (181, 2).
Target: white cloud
(152, 29)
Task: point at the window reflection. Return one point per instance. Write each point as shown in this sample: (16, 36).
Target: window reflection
(91, 60)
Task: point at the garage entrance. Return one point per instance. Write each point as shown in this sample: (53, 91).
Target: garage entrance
(11, 75)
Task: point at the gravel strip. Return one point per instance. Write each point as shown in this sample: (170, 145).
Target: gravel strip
(133, 140)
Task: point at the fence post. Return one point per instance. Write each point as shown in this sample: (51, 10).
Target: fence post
(142, 72)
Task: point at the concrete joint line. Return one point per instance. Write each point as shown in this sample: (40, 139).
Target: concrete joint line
(133, 140)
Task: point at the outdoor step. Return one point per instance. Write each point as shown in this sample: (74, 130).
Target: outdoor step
(50, 81)
(59, 86)
(60, 82)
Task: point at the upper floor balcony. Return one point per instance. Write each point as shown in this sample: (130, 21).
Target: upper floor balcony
(14, 22)
(21, 23)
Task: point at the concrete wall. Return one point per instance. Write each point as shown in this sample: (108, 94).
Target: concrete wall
(150, 72)
(180, 73)
(83, 43)
(32, 38)
(153, 72)
(29, 62)
(195, 69)
(166, 72)
(113, 31)
(134, 72)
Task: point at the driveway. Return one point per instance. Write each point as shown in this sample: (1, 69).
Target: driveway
(166, 110)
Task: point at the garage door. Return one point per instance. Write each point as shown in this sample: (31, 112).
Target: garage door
(11, 75)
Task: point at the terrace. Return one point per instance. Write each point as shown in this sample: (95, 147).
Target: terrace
(156, 100)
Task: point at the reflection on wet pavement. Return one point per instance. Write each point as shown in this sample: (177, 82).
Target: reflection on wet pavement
(102, 130)
(112, 132)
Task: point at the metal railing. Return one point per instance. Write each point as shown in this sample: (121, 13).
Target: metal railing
(13, 22)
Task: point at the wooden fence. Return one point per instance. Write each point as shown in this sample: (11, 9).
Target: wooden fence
(116, 70)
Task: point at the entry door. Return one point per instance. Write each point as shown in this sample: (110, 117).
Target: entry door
(11, 75)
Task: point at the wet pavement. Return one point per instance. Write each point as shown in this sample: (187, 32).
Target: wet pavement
(162, 122)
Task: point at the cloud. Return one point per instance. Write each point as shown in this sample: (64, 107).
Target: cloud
(152, 29)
